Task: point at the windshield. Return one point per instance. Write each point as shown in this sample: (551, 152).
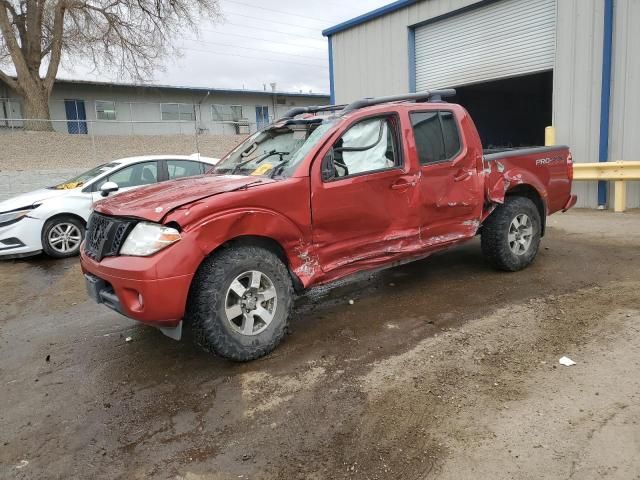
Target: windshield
(278, 150)
(83, 178)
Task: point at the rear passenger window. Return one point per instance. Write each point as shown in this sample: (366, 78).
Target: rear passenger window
(436, 135)
(183, 168)
(450, 134)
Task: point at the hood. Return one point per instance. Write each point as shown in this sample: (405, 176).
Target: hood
(154, 202)
(28, 199)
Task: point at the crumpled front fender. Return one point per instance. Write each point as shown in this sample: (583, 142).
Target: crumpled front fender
(256, 222)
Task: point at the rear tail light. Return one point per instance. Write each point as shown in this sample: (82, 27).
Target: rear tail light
(570, 167)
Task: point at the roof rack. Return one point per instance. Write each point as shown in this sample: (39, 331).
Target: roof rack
(427, 96)
(315, 109)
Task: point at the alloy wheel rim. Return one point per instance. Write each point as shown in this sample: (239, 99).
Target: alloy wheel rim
(520, 234)
(250, 303)
(64, 237)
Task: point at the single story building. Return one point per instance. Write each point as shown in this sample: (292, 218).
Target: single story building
(103, 108)
(517, 65)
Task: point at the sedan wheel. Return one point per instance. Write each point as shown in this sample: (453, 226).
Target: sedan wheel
(65, 238)
(62, 236)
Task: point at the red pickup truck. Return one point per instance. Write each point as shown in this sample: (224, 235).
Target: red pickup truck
(320, 194)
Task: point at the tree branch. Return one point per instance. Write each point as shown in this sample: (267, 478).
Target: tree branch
(17, 56)
(56, 45)
(9, 7)
(10, 81)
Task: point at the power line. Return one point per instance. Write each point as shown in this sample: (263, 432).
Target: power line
(313, 29)
(307, 37)
(251, 48)
(324, 49)
(212, 52)
(280, 11)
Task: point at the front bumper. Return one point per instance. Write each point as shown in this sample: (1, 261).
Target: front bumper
(21, 239)
(128, 286)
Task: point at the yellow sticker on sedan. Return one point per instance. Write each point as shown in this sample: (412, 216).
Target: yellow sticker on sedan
(262, 169)
(68, 186)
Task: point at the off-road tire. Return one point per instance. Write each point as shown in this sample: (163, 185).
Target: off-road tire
(495, 231)
(50, 225)
(206, 316)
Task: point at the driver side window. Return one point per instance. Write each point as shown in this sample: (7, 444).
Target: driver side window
(135, 175)
(367, 146)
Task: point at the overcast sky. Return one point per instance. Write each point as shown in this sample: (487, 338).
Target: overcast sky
(258, 42)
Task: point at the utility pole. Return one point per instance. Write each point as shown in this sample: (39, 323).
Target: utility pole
(273, 99)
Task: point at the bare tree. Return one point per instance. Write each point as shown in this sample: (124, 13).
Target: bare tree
(128, 35)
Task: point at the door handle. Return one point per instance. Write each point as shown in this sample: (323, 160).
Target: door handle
(462, 175)
(402, 184)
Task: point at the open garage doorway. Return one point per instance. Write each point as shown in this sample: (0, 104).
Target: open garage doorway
(511, 112)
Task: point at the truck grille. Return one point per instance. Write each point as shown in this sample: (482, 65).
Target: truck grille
(105, 235)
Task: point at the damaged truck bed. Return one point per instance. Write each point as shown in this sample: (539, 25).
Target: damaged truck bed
(311, 199)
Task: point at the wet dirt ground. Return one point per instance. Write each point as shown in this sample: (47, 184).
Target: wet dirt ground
(441, 369)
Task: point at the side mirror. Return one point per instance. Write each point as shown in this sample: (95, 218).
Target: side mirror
(327, 166)
(108, 187)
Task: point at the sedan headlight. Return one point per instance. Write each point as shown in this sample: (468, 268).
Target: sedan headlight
(7, 218)
(148, 238)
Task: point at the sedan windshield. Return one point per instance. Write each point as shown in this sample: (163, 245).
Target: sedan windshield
(83, 178)
(275, 151)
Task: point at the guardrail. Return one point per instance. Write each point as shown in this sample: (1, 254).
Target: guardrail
(619, 172)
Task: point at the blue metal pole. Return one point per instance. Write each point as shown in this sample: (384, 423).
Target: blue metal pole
(605, 96)
(332, 91)
(411, 44)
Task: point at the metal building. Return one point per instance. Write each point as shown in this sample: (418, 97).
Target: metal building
(518, 66)
(107, 108)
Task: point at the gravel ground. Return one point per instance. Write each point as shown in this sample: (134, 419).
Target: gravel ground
(49, 151)
(441, 369)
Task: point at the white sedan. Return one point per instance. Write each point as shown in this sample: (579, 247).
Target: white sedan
(52, 220)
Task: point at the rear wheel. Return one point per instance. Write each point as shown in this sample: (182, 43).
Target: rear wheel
(511, 234)
(62, 236)
(240, 302)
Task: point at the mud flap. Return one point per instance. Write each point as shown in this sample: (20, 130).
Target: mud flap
(172, 332)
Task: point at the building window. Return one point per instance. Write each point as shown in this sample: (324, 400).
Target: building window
(105, 110)
(226, 113)
(177, 111)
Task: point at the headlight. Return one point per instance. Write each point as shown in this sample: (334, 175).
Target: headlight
(148, 238)
(13, 216)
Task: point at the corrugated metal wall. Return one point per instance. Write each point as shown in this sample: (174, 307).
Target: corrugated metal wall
(624, 143)
(576, 85)
(372, 59)
(498, 40)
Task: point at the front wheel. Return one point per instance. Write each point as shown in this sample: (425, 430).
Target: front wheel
(62, 236)
(511, 234)
(240, 302)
